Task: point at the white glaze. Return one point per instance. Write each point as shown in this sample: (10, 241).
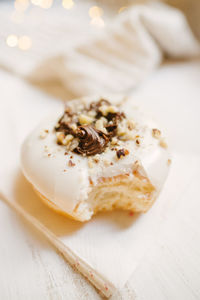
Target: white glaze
(66, 186)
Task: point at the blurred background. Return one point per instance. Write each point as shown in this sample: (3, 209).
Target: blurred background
(34, 30)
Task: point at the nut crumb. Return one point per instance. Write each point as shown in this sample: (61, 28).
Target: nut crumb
(43, 134)
(49, 154)
(156, 133)
(70, 163)
(131, 124)
(163, 143)
(106, 162)
(169, 162)
(90, 163)
(137, 142)
(96, 160)
(90, 180)
(122, 152)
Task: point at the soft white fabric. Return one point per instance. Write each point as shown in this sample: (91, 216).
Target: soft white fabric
(122, 56)
(92, 244)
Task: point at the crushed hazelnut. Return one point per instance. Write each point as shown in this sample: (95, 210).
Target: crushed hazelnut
(137, 141)
(96, 160)
(100, 125)
(85, 120)
(43, 134)
(90, 163)
(106, 162)
(90, 180)
(106, 109)
(92, 113)
(74, 126)
(169, 161)
(122, 152)
(163, 143)
(114, 141)
(70, 163)
(156, 133)
(67, 139)
(130, 124)
(74, 144)
(60, 137)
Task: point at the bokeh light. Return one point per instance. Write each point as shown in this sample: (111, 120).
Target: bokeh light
(122, 9)
(67, 4)
(95, 12)
(21, 5)
(24, 42)
(12, 40)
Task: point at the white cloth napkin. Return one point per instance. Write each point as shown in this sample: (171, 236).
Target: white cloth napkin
(112, 246)
(109, 248)
(121, 57)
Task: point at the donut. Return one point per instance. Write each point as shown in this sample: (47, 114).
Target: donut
(96, 154)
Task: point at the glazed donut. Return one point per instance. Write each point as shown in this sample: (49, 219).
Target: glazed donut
(98, 154)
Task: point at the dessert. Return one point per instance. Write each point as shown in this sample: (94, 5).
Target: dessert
(99, 154)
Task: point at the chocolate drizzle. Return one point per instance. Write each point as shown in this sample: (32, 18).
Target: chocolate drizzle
(92, 141)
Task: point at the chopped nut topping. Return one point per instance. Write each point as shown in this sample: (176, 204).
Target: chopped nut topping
(156, 133)
(96, 160)
(105, 109)
(85, 120)
(74, 127)
(43, 134)
(114, 141)
(169, 162)
(88, 129)
(131, 124)
(106, 162)
(137, 141)
(71, 164)
(100, 125)
(60, 138)
(74, 144)
(90, 162)
(163, 143)
(122, 152)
